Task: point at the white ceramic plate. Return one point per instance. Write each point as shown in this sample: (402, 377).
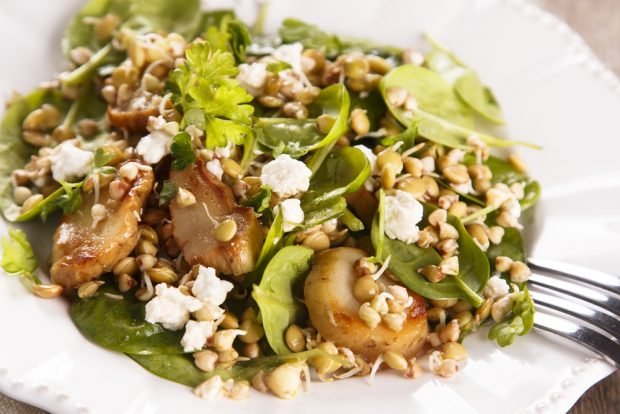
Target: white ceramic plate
(554, 92)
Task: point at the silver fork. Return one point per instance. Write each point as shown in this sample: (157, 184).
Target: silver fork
(584, 295)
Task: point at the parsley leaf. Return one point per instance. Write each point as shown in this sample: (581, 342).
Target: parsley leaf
(182, 151)
(229, 35)
(18, 257)
(210, 98)
(102, 157)
(168, 192)
(519, 323)
(259, 201)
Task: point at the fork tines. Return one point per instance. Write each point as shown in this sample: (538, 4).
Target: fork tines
(578, 304)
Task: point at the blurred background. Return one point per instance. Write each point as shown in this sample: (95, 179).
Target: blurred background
(598, 22)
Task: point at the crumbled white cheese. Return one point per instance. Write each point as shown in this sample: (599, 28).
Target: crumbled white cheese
(402, 214)
(292, 214)
(196, 335)
(495, 288)
(210, 288)
(70, 162)
(215, 167)
(156, 145)
(291, 54)
(170, 307)
(252, 77)
(286, 176)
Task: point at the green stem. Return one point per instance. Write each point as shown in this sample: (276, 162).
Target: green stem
(81, 74)
(470, 295)
(248, 151)
(380, 217)
(316, 159)
(479, 213)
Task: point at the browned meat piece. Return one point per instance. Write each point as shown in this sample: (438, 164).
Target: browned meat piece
(333, 309)
(131, 121)
(82, 252)
(193, 225)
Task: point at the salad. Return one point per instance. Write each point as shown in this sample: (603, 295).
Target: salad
(235, 209)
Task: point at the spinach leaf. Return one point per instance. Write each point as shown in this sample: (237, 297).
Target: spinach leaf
(18, 257)
(276, 294)
(168, 16)
(466, 82)
(311, 36)
(504, 172)
(351, 221)
(14, 152)
(406, 259)
(297, 137)
(270, 247)
(519, 323)
(441, 116)
(511, 246)
(372, 103)
(182, 151)
(181, 368)
(343, 172)
(327, 210)
(119, 324)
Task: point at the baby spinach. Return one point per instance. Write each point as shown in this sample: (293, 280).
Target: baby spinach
(406, 259)
(14, 152)
(520, 322)
(181, 368)
(276, 294)
(466, 82)
(18, 258)
(441, 115)
(297, 137)
(270, 246)
(372, 103)
(119, 325)
(311, 36)
(343, 172)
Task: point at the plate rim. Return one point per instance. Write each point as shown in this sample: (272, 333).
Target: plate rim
(55, 399)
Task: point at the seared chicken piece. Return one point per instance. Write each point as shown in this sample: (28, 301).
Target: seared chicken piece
(133, 116)
(333, 309)
(193, 225)
(84, 249)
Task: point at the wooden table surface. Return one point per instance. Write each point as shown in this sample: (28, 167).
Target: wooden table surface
(598, 21)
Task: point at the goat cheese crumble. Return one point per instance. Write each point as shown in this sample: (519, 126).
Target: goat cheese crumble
(70, 162)
(215, 168)
(286, 176)
(402, 214)
(196, 335)
(252, 77)
(170, 307)
(496, 287)
(292, 214)
(156, 145)
(210, 288)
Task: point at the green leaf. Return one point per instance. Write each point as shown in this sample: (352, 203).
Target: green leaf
(406, 259)
(351, 221)
(168, 16)
(312, 37)
(372, 103)
(210, 98)
(466, 82)
(259, 201)
(298, 137)
(102, 157)
(270, 247)
(520, 322)
(17, 254)
(229, 35)
(441, 116)
(182, 151)
(168, 192)
(327, 210)
(276, 294)
(14, 152)
(181, 368)
(511, 246)
(119, 324)
(343, 172)
(278, 67)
